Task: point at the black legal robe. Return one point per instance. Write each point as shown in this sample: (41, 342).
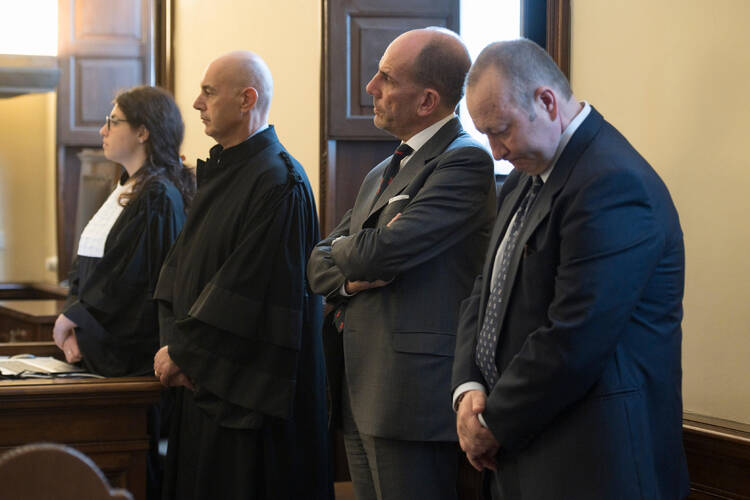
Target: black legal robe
(242, 324)
(110, 298)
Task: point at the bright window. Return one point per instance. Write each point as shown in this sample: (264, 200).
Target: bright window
(28, 27)
(484, 22)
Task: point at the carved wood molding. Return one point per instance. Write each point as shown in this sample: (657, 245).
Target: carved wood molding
(165, 44)
(558, 33)
(718, 455)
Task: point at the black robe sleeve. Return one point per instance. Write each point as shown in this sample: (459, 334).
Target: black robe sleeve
(110, 297)
(241, 340)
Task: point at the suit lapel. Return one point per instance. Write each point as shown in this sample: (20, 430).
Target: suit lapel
(432, 148)
(366, 196)
(559, 176)
(540, 209)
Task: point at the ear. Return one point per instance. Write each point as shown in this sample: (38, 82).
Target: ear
(142, 134)
(249, 98)
(429, 102)
(546, 101)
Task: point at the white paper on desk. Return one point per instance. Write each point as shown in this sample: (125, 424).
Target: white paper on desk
(46, 365)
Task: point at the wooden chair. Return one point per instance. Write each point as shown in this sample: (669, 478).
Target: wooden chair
(53, 472)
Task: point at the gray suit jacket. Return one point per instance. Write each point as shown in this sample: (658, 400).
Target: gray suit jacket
(398, 340)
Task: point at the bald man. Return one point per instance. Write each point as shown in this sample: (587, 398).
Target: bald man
(240, 329)
(398, 265)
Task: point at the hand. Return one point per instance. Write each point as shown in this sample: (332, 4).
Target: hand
(71, 350)
(63, 328)
(477, 441)
(181, 380)
(168, 372)
(353, 287)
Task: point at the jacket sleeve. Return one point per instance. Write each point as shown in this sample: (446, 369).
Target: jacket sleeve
(324, 275)
(464, 368)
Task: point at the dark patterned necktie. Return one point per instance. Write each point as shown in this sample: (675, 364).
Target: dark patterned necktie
(392, 169)
(484, 355)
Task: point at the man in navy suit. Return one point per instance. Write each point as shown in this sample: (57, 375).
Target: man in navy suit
(567, 375)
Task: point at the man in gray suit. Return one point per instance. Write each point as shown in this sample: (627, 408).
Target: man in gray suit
(398, 266)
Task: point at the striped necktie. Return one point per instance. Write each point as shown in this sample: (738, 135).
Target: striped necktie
(393, 167)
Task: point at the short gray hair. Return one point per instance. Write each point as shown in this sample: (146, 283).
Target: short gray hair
(442, 64)
(525, 66)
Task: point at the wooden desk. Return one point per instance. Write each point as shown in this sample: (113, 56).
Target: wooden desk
(28, 320)
(103, 418)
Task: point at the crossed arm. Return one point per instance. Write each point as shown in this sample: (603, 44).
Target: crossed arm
(448, 207)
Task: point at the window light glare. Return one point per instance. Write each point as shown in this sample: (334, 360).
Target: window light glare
(484, 22)
(28, 27)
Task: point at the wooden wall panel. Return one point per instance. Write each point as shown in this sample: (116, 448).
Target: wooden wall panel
(349, 162)
(718, 455)
(100, 80)
(98, 23)
(112, 37)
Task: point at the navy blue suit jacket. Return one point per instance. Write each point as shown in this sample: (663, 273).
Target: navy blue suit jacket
(588, 404)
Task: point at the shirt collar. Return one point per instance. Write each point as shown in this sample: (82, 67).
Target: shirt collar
(259, 130)
(565, 138)
(420, 138)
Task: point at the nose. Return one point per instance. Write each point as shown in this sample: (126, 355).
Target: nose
(198, 103)
(103, 131)
(371, 87)
(499, 151)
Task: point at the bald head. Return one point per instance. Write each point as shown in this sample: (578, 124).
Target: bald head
(235, 96)
(441, 61)
(243, 69)
(419, 81)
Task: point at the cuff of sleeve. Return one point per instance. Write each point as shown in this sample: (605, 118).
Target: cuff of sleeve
(344, 293)
(466, 387)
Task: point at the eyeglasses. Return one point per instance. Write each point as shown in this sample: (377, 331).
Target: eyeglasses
(113, 121)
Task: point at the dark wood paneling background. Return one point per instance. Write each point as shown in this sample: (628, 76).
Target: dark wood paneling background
(718, 455)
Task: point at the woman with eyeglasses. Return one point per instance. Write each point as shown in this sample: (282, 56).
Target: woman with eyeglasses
(110, 320)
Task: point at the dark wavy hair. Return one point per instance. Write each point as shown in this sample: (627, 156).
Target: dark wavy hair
(155, 109)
